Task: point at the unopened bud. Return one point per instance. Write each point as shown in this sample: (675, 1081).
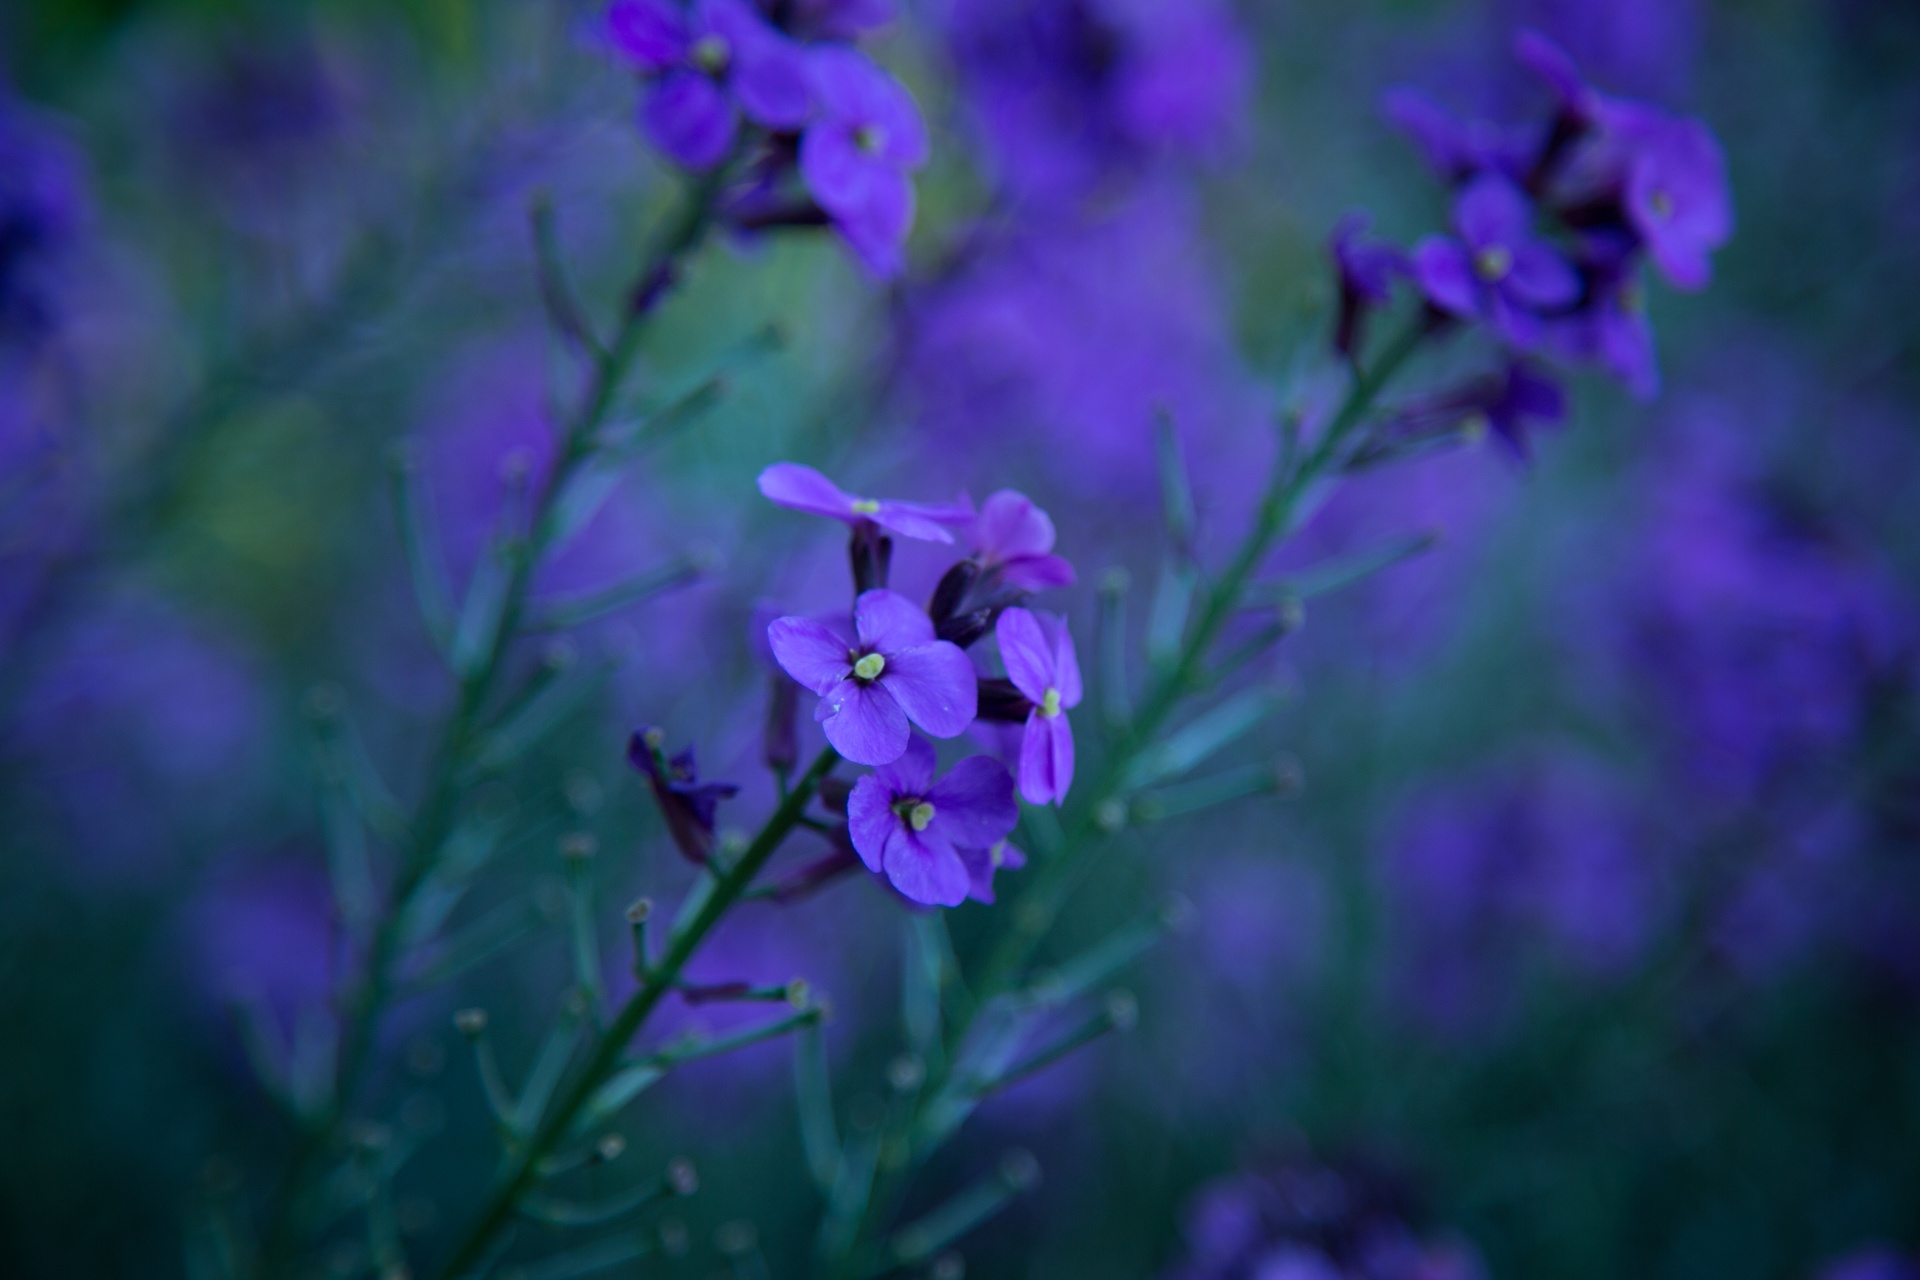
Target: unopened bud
(640, 911)
(1122, 1009)
(682, 1179)
(578, 846)
(470, 1022)
(1019, 1169)
(609, 1147)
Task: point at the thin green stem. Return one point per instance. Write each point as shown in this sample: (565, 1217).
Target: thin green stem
(440, 811)
(607, 1054)
(1033, 913)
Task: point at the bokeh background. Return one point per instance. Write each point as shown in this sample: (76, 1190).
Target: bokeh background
(1588, 944)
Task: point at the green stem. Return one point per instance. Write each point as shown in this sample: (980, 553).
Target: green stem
(661, 979)
(1033, 914)
(439, 813)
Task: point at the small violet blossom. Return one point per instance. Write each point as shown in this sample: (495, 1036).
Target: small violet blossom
(982, 863)
(1367, 270)
(911, 829)
(688, 804)
(888, 671)
(1498, 270)
(856, 155)
(803, 489)
(1015, 537)
(709, 66)
(1040, 660)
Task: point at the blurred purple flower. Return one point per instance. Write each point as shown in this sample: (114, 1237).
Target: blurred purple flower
(1499, 270)
(687, 804)
(1014, 537)
(1879, 1263)
(1511, 403)
(1457, 150)
(1068, 92)
(1366, 270)
(710, 65)
(801, 488)
(911, 828)
(840, 19)
(857, 153)
(1483, 871)
(1038, 652)
(875, 678)
(43, 205)
(1676, 191)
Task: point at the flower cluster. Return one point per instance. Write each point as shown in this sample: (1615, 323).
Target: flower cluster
(889, 666)
(1550, 230)
(822, 133)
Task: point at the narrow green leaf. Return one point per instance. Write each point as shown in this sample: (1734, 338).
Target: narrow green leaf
(573, 611)
(432, 589)
(1182, 751)
(1176, 489)
(1167, 617)
(921, 1239)
(587, 1260)
(819, 1135)
(1110, 639)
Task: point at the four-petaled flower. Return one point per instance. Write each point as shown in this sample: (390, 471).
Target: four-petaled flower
(890, 669)
(687, 804)
(711, 65)
(803, 489)
(1676, 192)
(856, 155)
(912, 829)
(1498, 270)
(1039, 657)
(1014, 536)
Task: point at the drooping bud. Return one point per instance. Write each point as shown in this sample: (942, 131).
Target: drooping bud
(688, 805)
(871, 554)
(1001, 703)
(955, 585)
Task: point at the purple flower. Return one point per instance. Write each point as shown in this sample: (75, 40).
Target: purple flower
(1014, 536)
(1872, 1264)
(1508, 402)
(1367, 270)
(1041, 662)
(710, 66)
(982, 863)
(840, 19)
(687, 804)
(1498, 270)
(42, 207)
(889, 671)
(1676, 192)
(911, 829)
(804, 489)
(1455, 149)
(857, 153)
(1611, 330)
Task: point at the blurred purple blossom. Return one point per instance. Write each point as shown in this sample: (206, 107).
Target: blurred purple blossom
(1543, 858)
(1499, 270)
(1068, 92)
(1367, 270)
(874, 677)
(709, 66)
(911, 828)
(1880, 1263)
(858, 153)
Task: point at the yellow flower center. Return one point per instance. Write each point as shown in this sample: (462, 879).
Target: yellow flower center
(998, 854)
(870, 138)
(1474, 429)
(920, 815)
(870, 667)
(866, 507)
(1662, 205)
(1050, 705)
(711, 54)
(1493, 263)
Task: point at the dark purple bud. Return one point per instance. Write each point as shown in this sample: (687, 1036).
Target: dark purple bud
(833, 794)
(871, 553)
(808, 880)
(713, 992)
(951, 594)
(778, 745)
(687, 804)
(1003, 703)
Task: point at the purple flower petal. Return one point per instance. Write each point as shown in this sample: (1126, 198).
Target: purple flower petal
(919, 520)
(871, 820)
(690, 119)
(649, 33)
(1066, 666)
(803, 489)
(1026, 653)
(886, 621)
(974, 804)
(912, 773)
(1038, 573)
(982, 863)
(838, 173)
(811, 651)
(1550, 64)
(936, 686)
(1541, 278)
(1009, 525)
(863, 722)
(1492, 211)
(1444, 271)
(768, 72)
(926, 870)
(1040, 756)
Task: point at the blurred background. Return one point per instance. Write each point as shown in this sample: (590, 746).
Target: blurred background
(1586, 946)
